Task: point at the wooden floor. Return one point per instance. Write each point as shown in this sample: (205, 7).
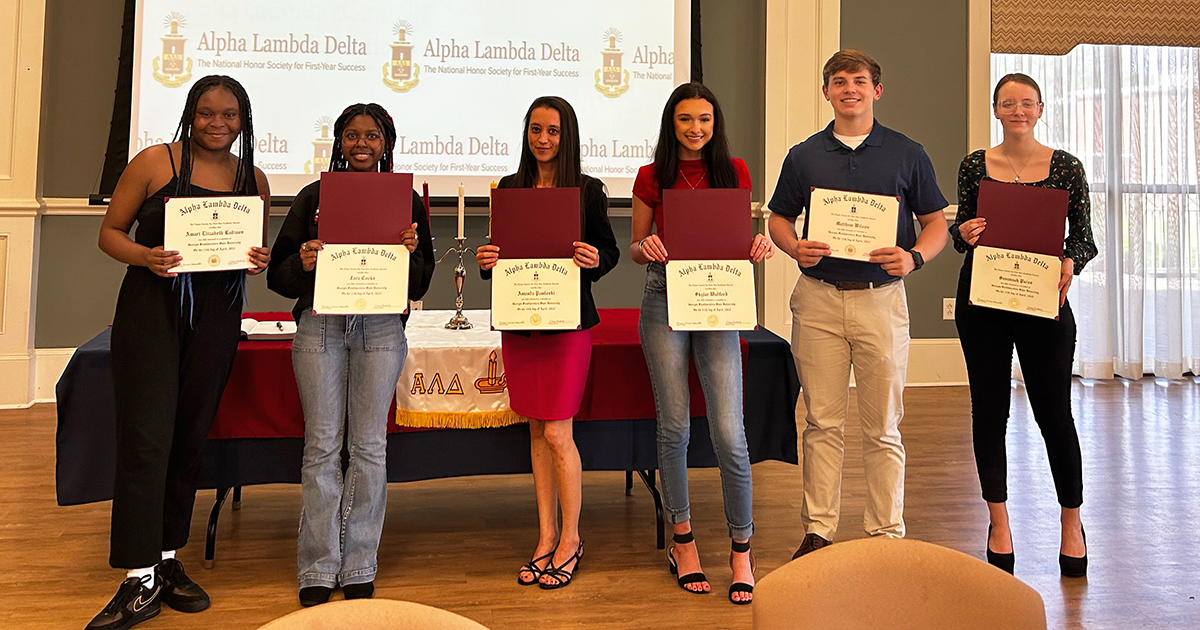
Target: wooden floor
(456, 544)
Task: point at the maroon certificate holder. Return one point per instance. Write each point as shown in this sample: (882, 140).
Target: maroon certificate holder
(707, 224)
(532, 223)
(1023, 218)
(365, 208)
(536, 222)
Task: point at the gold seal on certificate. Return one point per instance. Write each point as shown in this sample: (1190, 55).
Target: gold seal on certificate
(361, 280)
(852, 224)
(711, 295)
(535, 294)
(213, 233)
(1016, 281)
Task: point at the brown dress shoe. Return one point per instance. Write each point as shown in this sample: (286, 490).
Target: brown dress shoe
(811, 543)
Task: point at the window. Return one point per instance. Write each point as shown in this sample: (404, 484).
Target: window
(1131, 115)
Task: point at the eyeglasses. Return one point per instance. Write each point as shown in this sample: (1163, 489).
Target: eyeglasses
(1010, 106)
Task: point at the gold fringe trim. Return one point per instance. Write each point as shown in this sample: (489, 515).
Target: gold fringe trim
(454, 420)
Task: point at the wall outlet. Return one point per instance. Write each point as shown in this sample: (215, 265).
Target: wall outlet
(947, 308)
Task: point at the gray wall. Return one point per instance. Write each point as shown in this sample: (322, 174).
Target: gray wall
(922, 48)
(83, 43)
(734, 40)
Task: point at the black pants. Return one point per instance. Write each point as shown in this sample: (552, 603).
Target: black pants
(168, 377)
(1045, 348)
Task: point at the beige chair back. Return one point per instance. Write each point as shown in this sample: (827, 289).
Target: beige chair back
(893, 584)
(372, 614)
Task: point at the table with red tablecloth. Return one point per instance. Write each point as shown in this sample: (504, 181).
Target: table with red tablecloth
(257, 436)
(261, 400)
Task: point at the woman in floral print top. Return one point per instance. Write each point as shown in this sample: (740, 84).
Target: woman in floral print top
(1045, 347)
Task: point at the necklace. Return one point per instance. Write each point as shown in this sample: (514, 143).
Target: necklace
(1015, 170)
(689, 182)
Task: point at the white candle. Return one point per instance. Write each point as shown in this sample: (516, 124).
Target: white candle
(461, 209)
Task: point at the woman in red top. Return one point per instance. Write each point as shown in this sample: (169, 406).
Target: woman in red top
(693, 152)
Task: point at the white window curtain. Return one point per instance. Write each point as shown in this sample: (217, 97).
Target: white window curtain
(1131, 114)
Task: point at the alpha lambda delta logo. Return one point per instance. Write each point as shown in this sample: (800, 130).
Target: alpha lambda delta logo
(173, 68)
(322, 148)
(401, 73)
(611, 79)
(493, 383)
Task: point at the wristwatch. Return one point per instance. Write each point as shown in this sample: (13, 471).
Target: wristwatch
(918, 259)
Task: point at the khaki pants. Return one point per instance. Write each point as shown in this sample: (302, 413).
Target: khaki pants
(832, 330)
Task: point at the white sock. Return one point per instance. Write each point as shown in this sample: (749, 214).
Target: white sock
(169, 555)
(142, 574)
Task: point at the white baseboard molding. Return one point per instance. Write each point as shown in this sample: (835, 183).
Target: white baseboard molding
(933, 363)
(49, 364)
(936, 363)
(15, 381)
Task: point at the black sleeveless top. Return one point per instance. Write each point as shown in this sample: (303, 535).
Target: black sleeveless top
(151, 217)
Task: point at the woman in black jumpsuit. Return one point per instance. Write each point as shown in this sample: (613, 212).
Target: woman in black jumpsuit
(173, 341)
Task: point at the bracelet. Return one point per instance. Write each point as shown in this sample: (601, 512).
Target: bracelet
(641, 243)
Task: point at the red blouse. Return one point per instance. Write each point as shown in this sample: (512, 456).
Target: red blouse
(692, 174)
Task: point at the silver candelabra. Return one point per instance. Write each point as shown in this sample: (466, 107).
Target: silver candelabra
(458, 321)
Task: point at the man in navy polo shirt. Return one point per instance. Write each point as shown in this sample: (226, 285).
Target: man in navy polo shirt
(851, 313)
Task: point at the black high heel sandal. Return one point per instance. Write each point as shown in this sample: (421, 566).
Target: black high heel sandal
(559, 573)
(741, 587)
(691, 578)
(1003, 561)
(532, 567)
(1073, 567)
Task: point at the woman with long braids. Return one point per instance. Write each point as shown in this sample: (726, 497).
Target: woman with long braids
(346, 368)
(692, 152)
(173, 341)
(547, 370)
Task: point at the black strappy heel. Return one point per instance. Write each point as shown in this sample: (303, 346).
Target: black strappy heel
(533, 568)
(740, 587)
(691, 578)
(561, 576)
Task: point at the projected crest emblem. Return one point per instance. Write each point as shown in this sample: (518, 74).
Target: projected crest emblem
(322, 148)
(611, 79)
(172, 68)
(401, 73)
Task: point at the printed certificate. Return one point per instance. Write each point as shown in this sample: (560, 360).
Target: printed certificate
(711, 295)
(213, 233)
(852, 224)
(361, 280)
(535, 294)
(1020, 282)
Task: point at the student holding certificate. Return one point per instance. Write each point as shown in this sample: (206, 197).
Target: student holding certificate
(346, 369)
(693, 153)
(173, 340)
(848, 312)
(547, 370)
(1046, 347)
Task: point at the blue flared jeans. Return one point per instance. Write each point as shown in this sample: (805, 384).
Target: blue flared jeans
(346, 368)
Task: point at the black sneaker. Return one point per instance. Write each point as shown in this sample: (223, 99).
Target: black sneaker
(811, 543)
(179, 591)
(133, 603)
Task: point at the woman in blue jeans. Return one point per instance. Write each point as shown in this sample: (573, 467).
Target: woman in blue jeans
(346, 368)
(693, 152)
